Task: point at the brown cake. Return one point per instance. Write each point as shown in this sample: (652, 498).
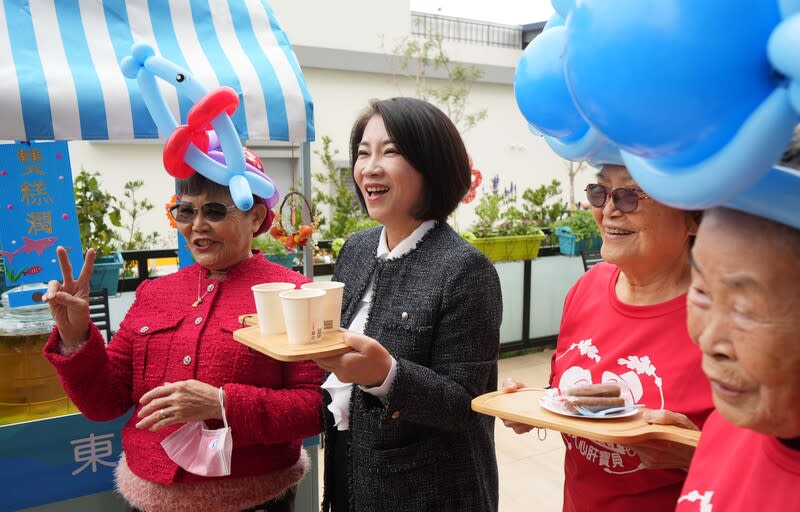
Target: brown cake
(594, 397)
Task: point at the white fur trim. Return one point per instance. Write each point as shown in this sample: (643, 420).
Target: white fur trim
(219, 495)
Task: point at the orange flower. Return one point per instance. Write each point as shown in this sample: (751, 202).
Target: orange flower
(172, 202)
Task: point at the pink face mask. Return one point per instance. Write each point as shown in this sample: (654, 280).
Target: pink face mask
(199, 450)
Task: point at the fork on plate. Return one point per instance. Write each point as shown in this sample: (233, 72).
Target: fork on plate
(583, 411)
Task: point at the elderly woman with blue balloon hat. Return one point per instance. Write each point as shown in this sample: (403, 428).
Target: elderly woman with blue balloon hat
(744, 314)
(175, 363)
(624, 323)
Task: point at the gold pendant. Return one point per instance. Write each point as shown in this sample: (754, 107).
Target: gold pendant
(197, 302)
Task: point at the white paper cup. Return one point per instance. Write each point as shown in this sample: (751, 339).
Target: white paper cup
(302, 311)
(268, 306)
(332, 305)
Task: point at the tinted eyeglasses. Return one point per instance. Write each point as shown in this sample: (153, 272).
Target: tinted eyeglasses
(625, 200)
(213, 212)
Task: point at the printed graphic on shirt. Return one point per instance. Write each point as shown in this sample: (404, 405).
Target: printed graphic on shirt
(703, 500)
(636, 376)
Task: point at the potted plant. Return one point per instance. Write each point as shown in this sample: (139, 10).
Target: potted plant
(133, 238)
(274, 250)
(97, 213)
(577, 233)
(332, 189)
(506, 231)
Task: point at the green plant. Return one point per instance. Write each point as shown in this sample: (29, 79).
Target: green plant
(346, 215)
(97, 213)
(421, 57)
(336, 246)
(134, 239)
(581, 224)
(269, 246)
(499, 213)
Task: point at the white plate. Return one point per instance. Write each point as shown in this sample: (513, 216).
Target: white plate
(545, 403)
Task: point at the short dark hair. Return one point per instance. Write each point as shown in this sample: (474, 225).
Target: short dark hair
(197, 184)
(430, 143)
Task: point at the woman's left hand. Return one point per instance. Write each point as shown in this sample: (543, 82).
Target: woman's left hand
(178, 402)
(367, 364)
(658, 454)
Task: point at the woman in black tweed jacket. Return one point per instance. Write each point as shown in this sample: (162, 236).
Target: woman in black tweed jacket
(424, 311)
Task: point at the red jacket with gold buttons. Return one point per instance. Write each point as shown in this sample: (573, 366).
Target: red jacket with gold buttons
(271, 406)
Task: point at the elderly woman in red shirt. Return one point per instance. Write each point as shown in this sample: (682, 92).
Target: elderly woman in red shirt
(175, 362)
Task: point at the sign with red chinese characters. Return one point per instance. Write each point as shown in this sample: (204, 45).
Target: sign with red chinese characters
(37, 212)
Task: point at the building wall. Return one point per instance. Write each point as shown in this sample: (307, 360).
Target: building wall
(345, 52)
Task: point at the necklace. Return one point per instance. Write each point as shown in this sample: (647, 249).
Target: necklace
(209, 288)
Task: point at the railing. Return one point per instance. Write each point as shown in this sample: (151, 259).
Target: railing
(142, 272)
(525, 343)
(129, 284)
(466, 31)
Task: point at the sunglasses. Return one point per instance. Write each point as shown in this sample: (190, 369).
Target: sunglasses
(212, 212)
(625, 200)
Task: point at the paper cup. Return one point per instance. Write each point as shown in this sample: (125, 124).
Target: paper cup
(268, 306)
(332, 305)
(302, 311)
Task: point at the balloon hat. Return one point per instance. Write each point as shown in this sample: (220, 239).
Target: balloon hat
(541, 91)
(193, 147)
(700, 111)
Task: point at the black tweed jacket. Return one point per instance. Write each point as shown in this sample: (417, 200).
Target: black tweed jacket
(437, 310)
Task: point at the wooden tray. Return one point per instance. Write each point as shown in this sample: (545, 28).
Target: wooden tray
(277, 345)
(523, 407)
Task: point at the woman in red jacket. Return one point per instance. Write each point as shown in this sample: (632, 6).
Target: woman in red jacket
(174, 360)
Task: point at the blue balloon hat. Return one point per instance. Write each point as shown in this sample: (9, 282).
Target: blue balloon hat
(700, 97)
(145, 66)
(543, 97)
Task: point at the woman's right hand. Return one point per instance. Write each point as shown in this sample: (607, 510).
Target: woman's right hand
(69, 300)
(511, 386)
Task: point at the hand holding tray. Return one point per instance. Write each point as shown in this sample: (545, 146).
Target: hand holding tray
(523, 407)
(277, 345)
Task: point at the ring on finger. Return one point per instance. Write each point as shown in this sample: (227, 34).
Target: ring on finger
(161, 414)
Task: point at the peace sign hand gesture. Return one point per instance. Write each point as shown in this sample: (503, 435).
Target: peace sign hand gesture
(69, 301)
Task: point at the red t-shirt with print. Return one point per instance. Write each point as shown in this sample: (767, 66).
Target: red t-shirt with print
(738, 470)
(648, 350)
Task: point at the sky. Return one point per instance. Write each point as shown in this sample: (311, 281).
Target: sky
(510, 12)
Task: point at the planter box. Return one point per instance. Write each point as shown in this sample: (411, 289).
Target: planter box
(509, 248)
(568, 245)
(286, 261)
(106, 273)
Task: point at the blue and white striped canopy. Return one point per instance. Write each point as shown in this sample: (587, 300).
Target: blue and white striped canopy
(60, 77)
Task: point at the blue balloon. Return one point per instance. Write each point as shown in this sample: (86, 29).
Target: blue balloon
(774, 197)
(670, 80)
(783, 50)
(758, 144)
(554, 21)
(144, 65)
(562, 7)
(541, 91)
(700, 111)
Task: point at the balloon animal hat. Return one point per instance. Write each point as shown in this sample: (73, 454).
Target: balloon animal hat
(208, 142)
(700, 111)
